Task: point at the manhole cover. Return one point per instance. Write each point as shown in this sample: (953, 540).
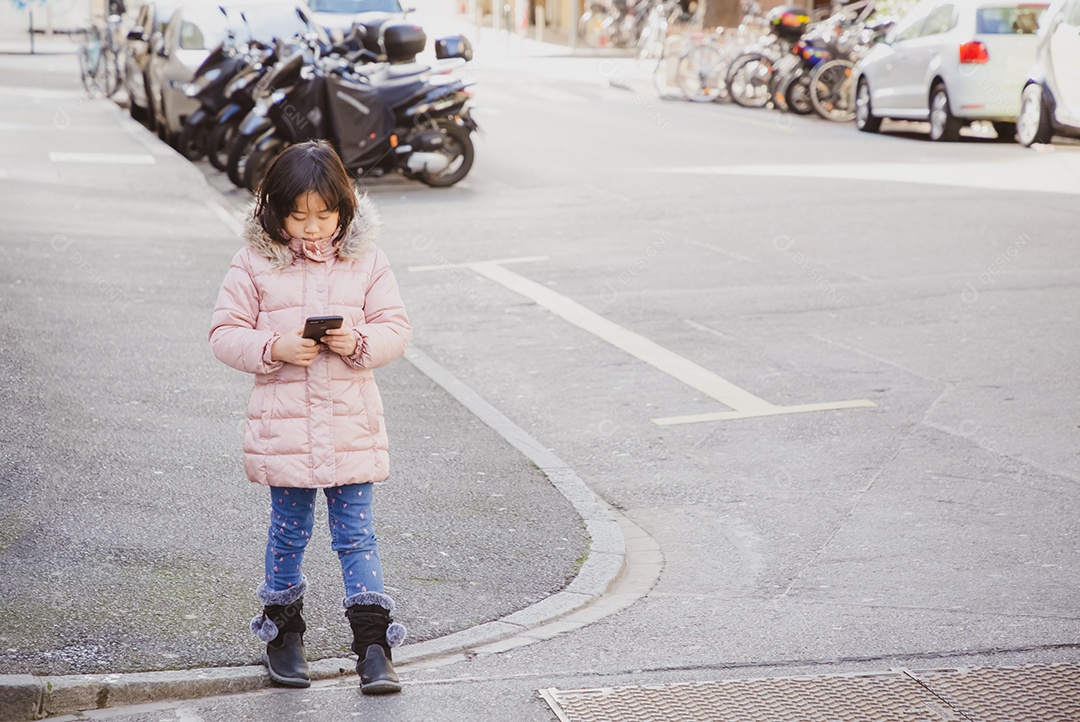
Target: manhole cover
(1046, 693)
(886, 697)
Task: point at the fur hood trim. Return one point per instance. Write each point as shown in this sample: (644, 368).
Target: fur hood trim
(363, 231)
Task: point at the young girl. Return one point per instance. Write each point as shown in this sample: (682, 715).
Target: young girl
(315, 419)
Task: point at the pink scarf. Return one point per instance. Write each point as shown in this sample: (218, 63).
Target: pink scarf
(320, 250)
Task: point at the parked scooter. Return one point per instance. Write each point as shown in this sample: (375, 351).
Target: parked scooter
(211, 79)
(239, 96)
(393, 116)
(284, 74)
(227, 150)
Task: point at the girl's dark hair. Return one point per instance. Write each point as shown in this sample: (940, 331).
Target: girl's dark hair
(313, 167)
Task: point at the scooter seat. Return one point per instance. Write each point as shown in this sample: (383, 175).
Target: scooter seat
(395, 93)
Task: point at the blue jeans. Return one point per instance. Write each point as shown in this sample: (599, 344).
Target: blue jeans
(352, 536)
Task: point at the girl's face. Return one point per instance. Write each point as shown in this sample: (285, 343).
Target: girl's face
(311, 219)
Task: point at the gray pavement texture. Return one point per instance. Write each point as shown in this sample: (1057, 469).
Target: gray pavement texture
(938, 281)
(129, 539)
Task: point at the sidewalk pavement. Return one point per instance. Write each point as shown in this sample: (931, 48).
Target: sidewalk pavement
(130, 539)
(75, 461)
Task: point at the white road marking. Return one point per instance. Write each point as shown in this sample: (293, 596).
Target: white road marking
(707, 329)
(770, 411)
(743, 403)
(441, 266)
(709, 246)
(1059, 174)
(104, 158)
(36, 128)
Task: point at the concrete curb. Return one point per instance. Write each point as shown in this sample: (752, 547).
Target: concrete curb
(591, 596)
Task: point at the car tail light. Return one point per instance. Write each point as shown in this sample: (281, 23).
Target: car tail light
(973, 52)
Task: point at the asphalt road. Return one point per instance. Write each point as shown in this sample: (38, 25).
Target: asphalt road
(129, 537)
(741, 260)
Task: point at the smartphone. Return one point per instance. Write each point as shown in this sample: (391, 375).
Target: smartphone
(317, 326)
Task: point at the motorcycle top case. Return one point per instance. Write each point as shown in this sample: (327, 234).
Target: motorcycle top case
(367, 31)
(362, 124)
(453, 46)
(402, 41)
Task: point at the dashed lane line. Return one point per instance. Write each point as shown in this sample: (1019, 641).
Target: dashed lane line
(103, 158)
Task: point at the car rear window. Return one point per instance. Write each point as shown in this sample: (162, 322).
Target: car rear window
(191, 38)
(353, 7)
(1009, 19)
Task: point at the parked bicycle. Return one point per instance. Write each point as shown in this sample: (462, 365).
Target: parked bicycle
(615, 23)
(692, 63)
(832, 91)
(101, 57)
(750, 79)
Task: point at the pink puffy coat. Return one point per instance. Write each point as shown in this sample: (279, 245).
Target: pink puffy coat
(321, 425)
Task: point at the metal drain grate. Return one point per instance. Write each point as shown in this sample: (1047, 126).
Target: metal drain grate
(1010, 694)
(1019, 694)
(887, 697)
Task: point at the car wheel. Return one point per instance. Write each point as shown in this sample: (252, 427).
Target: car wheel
(865, 120)
(137, 112)
(943, 126)
(1033, 125)
(161, 123)
(151, 111)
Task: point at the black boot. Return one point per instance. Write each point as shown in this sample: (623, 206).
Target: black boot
(374, 634)
(282, 627)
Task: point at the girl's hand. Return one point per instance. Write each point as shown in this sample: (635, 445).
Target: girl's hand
(341, 341)
(292, 348)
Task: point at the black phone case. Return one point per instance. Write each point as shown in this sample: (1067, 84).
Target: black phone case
(317, 326)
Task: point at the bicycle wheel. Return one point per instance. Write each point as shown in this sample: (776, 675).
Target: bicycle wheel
(832, 91)
(702, 74)
(748, 80)
(666, 75)
(797, 93)
(113, 78)
(594, 29)
(785, 70)
(91, 66)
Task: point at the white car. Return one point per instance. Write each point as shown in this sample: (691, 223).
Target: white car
(338, 16)
(951, 62)
(1050, 104)
(150, 21)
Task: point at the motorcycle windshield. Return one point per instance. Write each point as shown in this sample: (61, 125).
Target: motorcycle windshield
(287, 72)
